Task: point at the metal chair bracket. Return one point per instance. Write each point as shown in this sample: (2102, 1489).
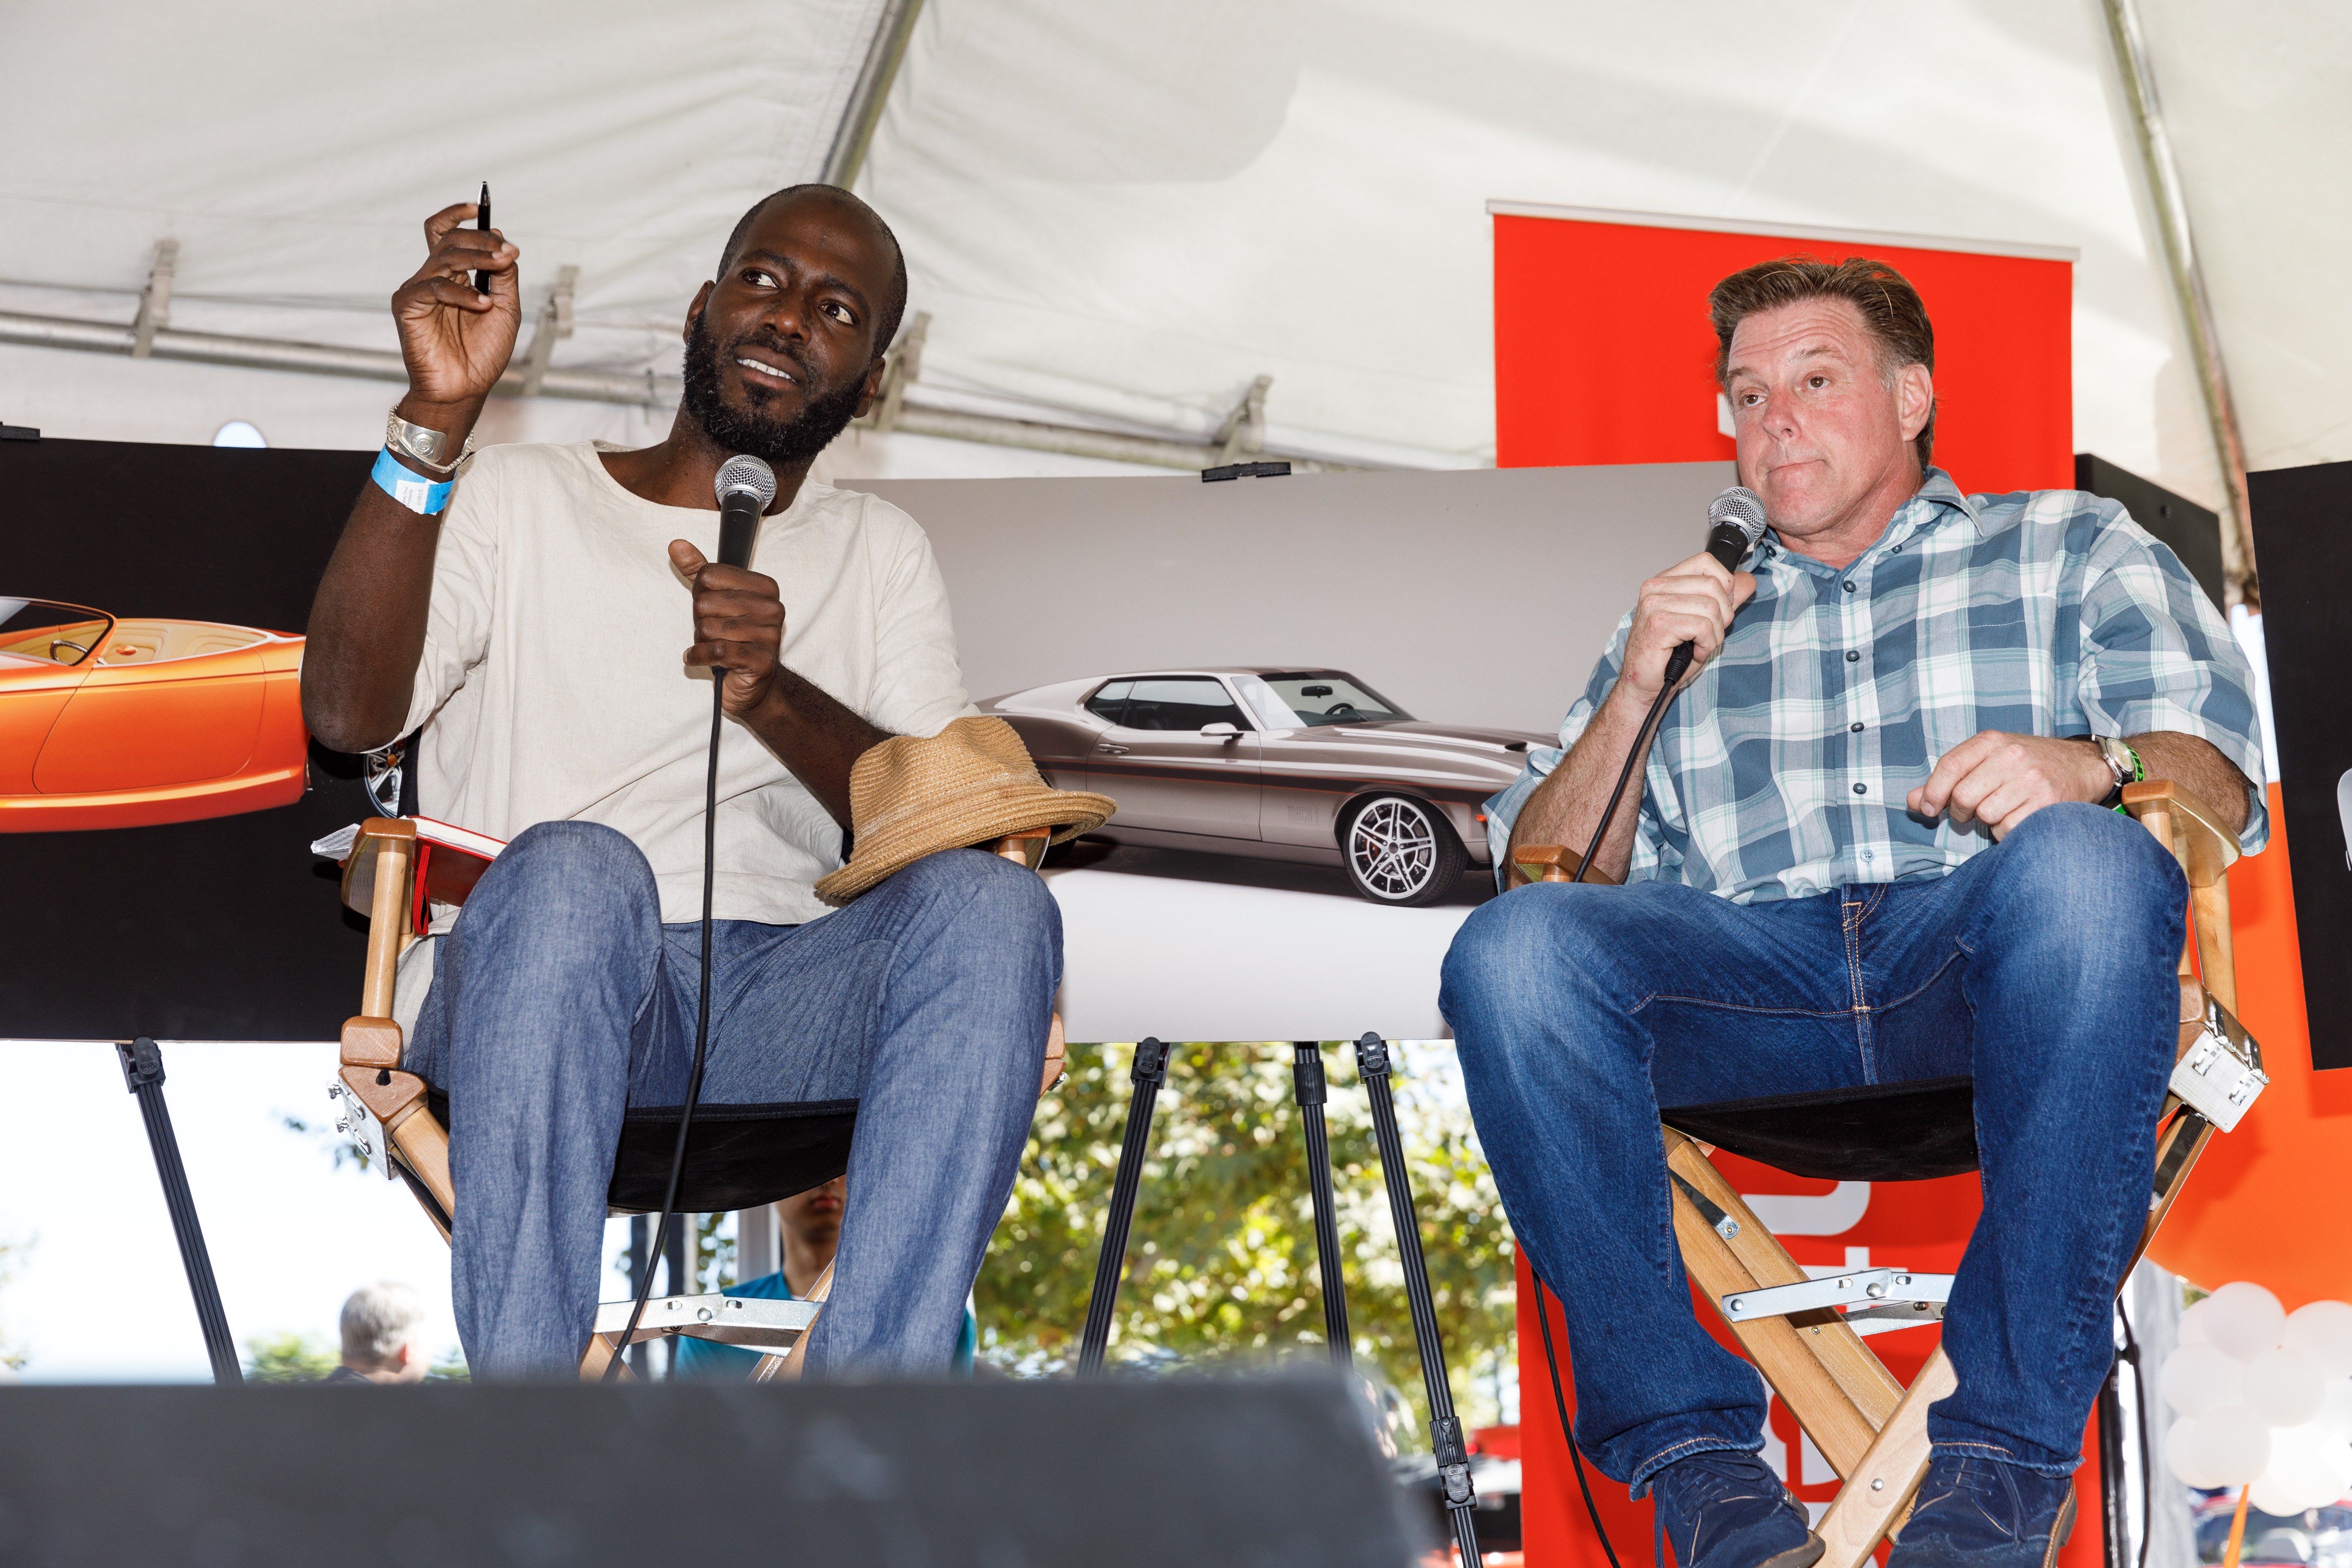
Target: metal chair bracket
(748, 1321)
(1874, 1300)
(2221, 1073)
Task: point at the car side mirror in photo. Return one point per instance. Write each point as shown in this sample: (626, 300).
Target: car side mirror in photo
(1221, 730)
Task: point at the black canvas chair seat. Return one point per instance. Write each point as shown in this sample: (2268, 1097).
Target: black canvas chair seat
(1879, 1132)
(737, 1156)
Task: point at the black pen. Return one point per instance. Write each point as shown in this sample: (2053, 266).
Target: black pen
(482, 221)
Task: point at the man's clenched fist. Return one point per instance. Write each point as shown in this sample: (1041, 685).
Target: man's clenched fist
(739, 626)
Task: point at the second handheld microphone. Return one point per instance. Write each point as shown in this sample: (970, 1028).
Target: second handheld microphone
(1737, 522)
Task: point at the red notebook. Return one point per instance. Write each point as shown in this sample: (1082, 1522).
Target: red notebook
(449, 860)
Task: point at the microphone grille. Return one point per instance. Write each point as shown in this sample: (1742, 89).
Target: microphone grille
(1741, 508)
(743, 472)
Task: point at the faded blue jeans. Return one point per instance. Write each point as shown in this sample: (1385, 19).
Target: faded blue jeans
(2044, 966)
(560, 1000)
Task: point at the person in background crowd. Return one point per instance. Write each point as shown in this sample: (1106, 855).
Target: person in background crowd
(380, 1336)
(811, 1225)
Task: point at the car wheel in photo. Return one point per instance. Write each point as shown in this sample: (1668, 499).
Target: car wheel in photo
(1400, 850)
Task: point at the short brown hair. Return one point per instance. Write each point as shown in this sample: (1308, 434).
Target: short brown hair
(1890, 307)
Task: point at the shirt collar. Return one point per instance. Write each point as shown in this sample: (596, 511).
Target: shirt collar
(1937, 501)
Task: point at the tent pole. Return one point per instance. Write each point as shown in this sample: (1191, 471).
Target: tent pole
(2165, 194)
(863, 110)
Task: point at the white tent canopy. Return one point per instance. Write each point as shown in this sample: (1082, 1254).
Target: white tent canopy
(1118, 213)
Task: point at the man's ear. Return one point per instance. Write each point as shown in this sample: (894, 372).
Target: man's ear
(694, 312)
(1915, 399)
(872, 389)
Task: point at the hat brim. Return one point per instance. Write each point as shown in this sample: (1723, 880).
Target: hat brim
(1068, 811)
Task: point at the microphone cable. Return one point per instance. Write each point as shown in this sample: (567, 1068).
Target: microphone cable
(1737, 516)
(746, 486)
(1559, 1403)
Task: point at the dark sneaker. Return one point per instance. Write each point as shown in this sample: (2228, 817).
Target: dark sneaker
(1981, 1513)
(1726, 1510)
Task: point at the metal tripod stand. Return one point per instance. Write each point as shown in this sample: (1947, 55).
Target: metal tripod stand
(142, 1075)
(1149, 1072)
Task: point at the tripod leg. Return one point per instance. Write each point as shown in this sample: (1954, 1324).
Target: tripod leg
(1307, 1080)
(142, 1074)
(1444, 1427)
(1151, 1071)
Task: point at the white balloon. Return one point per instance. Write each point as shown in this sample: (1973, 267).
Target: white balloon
(2232, 1445)
(2336, 1416)
(2180, 1455)
(2322, 1332)
(2191, 1327)
(2197, 1379)
(2283, 1388)
(2310, 1468)
(2270, 1496)
(2242, 1320)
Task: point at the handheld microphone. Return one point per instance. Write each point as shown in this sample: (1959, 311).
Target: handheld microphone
(747, 487)
(1737, 519)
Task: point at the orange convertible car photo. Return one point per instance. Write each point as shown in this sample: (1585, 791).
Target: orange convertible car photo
(129, 723)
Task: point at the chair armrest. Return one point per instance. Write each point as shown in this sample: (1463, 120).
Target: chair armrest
(2186, 825)
(1028, 846)
(1554, 863)
(367, 851)
(377, 879)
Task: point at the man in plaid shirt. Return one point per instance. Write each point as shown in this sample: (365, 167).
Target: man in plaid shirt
(1871, 845)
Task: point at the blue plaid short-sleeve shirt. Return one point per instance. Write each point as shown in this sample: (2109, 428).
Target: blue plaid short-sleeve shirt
(1781, 770)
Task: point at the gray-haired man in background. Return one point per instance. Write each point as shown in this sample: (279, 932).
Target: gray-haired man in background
(381, 1324)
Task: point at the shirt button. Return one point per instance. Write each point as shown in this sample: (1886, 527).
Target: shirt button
(1896, 551)
(1852, 657)
(1861, 789)
(1849, 587)
(1856, 728)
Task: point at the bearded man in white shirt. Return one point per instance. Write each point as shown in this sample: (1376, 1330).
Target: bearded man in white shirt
(550, 616)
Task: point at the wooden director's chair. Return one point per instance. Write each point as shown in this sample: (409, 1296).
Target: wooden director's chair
(1805, 1334)
(731, 1164)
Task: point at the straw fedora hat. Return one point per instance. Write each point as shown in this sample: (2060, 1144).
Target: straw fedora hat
(914, 796)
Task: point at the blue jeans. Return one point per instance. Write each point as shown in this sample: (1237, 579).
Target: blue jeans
(2042, 966)
(560, 1000)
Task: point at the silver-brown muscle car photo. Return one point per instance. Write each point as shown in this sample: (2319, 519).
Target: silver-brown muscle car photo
(1275, 763)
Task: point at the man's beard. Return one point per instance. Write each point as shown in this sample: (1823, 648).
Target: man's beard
(780, 442)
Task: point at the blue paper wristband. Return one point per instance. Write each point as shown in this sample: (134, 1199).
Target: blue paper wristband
(410, 489)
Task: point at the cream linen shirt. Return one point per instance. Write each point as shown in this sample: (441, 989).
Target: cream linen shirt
(553, 686)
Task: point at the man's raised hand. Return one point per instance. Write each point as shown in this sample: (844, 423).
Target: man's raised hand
(739, 626)
(456, 340)
(1690, 602)
(2000, 779)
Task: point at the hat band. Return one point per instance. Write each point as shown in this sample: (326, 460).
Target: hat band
(933, 801)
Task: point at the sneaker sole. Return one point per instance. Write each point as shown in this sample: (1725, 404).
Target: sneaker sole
(1800, 1556)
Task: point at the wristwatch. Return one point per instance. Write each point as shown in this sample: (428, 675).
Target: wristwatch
(2122, 762)
(422, 447)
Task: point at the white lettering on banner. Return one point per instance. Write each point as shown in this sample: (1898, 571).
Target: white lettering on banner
(1806, 1214)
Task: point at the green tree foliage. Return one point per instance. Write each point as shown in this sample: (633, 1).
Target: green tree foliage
(288, 1357)
(1221, 1261)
